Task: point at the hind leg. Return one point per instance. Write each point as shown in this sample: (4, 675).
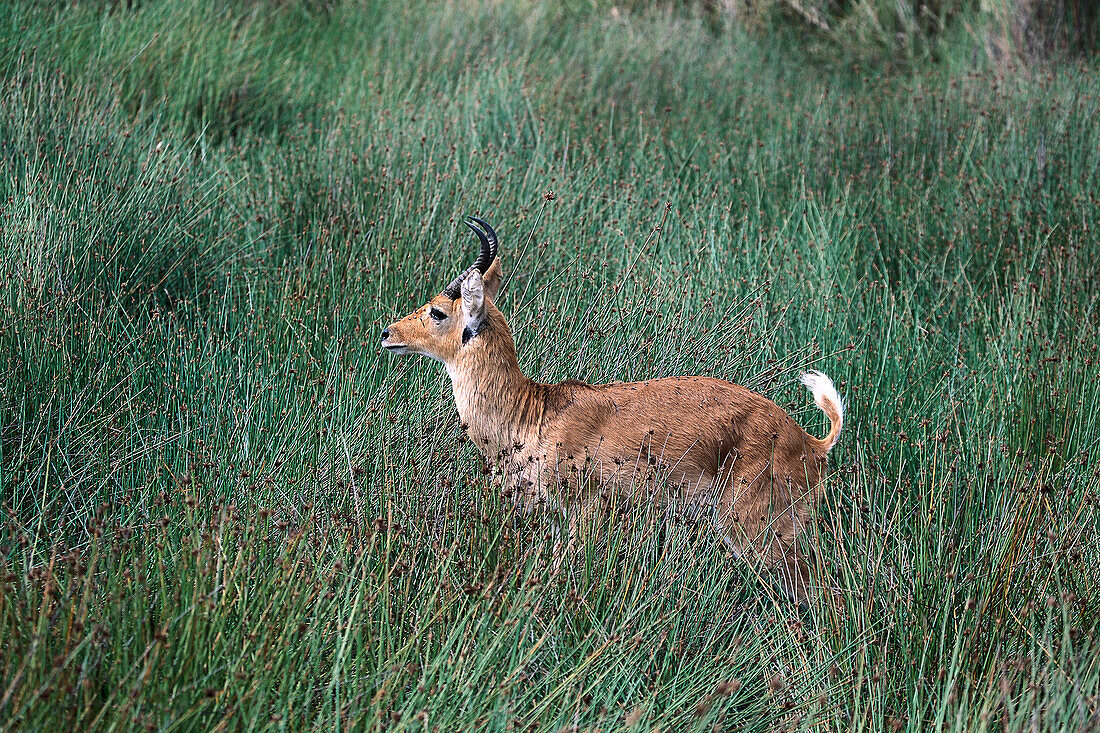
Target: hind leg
(794, 575)
(763, 523)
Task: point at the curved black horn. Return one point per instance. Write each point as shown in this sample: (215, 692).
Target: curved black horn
(484, 260)
(488, 242)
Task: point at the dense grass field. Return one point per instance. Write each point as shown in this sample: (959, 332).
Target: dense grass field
(222, 508)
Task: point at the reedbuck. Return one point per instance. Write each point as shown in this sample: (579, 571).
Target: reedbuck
(712, 442)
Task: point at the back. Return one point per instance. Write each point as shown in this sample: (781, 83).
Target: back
(688, 428)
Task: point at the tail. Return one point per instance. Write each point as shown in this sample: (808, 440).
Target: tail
(827, 398)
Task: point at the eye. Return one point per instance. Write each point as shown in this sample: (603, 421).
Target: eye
(437, 315)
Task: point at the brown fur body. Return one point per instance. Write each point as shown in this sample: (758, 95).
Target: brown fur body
(710, 442)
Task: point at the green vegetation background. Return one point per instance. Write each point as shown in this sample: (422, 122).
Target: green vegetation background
(222, 508)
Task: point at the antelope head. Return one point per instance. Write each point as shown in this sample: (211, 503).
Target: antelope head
(459, 316)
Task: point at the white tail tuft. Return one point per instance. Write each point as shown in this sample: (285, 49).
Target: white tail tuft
(828, 399)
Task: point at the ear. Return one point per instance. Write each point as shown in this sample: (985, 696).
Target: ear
(491, 280)
(473, 305)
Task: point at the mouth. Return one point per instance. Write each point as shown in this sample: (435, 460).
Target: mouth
(395, 348)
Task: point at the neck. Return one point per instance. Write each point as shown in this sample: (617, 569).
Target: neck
(498, 405)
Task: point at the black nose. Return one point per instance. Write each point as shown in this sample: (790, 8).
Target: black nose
(385, 334)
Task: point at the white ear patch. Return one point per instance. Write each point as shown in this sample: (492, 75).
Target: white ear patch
(473, 304)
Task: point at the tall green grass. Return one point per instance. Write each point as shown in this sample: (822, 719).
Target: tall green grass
(223, 508)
